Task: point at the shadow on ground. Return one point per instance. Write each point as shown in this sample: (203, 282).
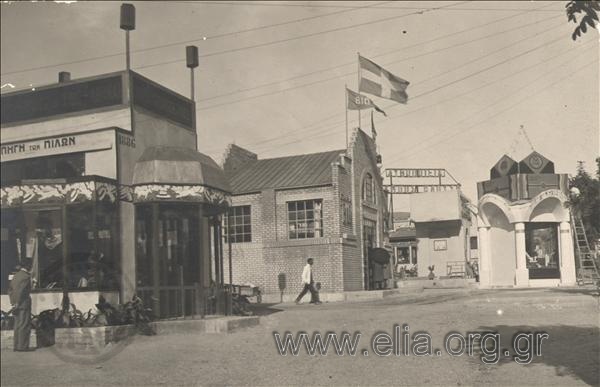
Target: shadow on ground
(588, 291)
(263, 309)
(571, 350)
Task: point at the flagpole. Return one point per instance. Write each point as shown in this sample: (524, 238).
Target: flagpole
(358, 87)
(346, 105)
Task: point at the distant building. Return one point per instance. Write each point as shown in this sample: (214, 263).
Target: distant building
(329, 206)
(444, 224)
(403, 240)
(525, 235)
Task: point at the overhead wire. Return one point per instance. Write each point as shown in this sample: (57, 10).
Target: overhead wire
(452, 82)
(418, 44)
(436, 134)
(215, 53)
(462, 131)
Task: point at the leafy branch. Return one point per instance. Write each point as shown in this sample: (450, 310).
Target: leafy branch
(590, 18)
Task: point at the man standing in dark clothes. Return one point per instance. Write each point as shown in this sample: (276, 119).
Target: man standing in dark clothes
(309, 284)
(20, 289)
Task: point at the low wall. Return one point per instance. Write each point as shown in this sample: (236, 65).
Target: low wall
(84, 301)
(99, 337)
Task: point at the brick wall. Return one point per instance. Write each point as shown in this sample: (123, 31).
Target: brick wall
(362, 150)
(272, 259)
(247, 259)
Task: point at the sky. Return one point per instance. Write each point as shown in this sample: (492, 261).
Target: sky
(272, 74)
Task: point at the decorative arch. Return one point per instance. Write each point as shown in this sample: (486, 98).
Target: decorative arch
(490, 204)
(549, 206)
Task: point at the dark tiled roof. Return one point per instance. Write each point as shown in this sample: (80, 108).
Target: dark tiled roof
(284, 172)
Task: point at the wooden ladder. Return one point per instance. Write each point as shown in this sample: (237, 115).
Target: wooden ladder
(587, 272)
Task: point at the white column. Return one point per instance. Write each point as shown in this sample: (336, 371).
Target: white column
(567, 256)
(522, 273)
(485, 259)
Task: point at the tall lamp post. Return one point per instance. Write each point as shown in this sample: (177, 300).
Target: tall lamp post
(127, 24)
(191, 57)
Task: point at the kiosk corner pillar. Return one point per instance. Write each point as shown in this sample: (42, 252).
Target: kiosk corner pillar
(521, 273)
(485, 259)
(567, 257)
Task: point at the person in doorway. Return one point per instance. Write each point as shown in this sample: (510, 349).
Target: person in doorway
(309, 284)
(20, 298)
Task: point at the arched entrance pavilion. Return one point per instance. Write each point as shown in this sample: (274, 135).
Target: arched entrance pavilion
(524, 226)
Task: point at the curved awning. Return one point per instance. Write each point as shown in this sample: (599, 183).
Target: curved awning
(174, 173)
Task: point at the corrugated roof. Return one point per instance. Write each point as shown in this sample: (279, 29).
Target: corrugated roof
(284, 172)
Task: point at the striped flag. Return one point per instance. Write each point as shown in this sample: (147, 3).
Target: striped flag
(376, 80)
(360, 102)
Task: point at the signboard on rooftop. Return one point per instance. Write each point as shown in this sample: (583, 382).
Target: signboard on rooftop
(418, 188)
(415, 172)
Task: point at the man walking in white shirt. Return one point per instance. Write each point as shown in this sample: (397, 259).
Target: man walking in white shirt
(309, 284)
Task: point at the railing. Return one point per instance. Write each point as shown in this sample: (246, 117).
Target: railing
(456, 269)
(185, 301)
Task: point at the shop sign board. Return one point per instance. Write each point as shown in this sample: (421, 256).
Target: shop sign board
(415, 172)
(419, 188)
(55, 145)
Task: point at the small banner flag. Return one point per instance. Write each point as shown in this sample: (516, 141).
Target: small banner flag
(373, 131)
(376, 80)
(360, 102)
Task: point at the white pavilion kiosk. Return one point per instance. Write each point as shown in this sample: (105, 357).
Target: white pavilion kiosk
(524, 226)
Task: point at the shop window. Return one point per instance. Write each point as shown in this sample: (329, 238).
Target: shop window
(305, 219)
(11, 237)
(367, 193)
(143, 246)
(44, 245)
(82, 256)
(91, 262)
(403, 256)
(77, 251)
(541, 241)
(178, 245)
(241, 225)
(170, 232)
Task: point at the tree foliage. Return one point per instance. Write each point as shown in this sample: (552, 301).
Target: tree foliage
(589, 9)
(587, 203)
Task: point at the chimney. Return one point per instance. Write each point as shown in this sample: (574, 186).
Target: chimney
(64, 76)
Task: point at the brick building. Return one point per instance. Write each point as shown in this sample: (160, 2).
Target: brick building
(329, 206)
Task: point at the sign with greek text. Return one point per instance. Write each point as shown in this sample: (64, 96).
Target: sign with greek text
(418, 188)
(415, 172)
(55, 145)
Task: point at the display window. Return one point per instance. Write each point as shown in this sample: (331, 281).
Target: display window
(542, 252)
(71, 247)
